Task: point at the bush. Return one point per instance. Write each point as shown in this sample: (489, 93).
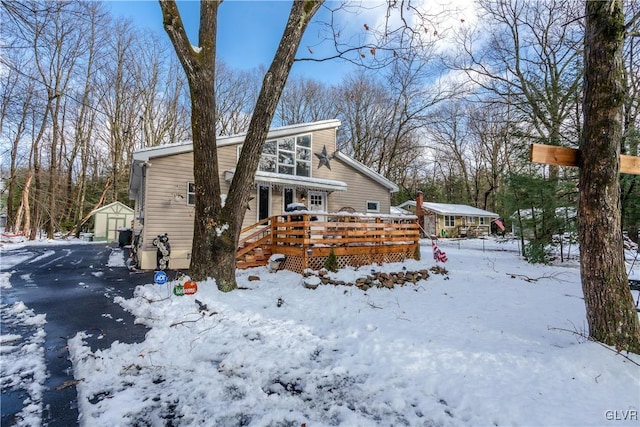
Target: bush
(331, 263)
(535, 252)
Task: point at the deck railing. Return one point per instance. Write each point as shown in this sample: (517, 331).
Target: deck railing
(307, 239)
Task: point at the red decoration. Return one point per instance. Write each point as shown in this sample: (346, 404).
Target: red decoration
(190, 287)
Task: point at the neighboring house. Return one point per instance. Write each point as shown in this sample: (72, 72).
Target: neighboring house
(299, 164)
(110, 219)
(451, 220)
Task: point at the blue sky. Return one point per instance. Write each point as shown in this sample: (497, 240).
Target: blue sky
(248, 33)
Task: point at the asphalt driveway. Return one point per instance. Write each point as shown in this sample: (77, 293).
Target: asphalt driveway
(73, 285)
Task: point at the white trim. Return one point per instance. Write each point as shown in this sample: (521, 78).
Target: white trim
(194, 193)
(293, 180)
(149, 153)
(323, 197)
(451, 209)
(376, 210)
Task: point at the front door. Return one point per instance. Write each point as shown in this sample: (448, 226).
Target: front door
(317, 201)
(264, 201)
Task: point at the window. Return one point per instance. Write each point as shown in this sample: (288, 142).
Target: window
(373, 206)
(191, 193)
(481, 220)
(449, 220)
(287, 156)
(471, 220)
(317, 201)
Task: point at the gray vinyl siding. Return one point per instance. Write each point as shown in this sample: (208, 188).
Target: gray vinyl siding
(168, 176)
(165, 177)
(360, 190)
(320, 139)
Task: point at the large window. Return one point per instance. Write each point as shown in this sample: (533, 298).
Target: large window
(288, 156)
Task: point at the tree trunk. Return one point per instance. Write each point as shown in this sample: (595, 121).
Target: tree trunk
(611, 315)
(217, 230)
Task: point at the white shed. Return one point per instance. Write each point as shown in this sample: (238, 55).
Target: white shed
(109, 219)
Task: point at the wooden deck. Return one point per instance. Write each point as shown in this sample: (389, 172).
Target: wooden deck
(307, 239)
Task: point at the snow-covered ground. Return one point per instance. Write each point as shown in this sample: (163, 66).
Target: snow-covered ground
(496, 341)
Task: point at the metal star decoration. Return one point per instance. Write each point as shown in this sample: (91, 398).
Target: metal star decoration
(324, 158)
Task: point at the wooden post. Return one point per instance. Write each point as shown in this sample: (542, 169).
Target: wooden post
(563, 156)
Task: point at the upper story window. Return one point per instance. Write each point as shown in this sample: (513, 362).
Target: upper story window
(288, 156)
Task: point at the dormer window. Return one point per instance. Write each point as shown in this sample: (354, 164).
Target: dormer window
(287, 156)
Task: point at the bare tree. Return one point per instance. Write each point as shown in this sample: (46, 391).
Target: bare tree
(531, 59)
(236, 94)
(161, 94)
(611, 314)
(217, 228)
(304, 100)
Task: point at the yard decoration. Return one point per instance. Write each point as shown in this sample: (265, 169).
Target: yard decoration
(163, 251)
(324, 158)
(438, 255)
(190, 287)
(178, 290)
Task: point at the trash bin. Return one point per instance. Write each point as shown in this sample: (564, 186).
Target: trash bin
(124, 237)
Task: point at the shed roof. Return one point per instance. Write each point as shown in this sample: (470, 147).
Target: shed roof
(115, 207)
(452, 209)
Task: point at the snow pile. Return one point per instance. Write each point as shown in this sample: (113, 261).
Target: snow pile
(495, 342)
(22, 353)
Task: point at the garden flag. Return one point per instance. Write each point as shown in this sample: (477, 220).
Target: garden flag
(438, 255)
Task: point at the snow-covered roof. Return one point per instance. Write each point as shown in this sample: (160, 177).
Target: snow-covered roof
(452, 209)
(396, 210)
(303, 181)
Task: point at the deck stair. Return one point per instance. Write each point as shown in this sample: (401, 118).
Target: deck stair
(254, 247)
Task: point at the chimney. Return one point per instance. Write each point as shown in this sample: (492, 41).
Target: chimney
(419, 211)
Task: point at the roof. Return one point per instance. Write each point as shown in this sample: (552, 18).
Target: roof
(221, 141)
(396, 210)
(114, 207)
(451, 209)
(277, 178)
(146, 154)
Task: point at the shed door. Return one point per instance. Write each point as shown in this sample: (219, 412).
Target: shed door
(429, 225)
(113, 223)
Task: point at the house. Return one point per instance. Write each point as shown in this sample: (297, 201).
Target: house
(451, 220)
(299, 164)
(109, 219)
